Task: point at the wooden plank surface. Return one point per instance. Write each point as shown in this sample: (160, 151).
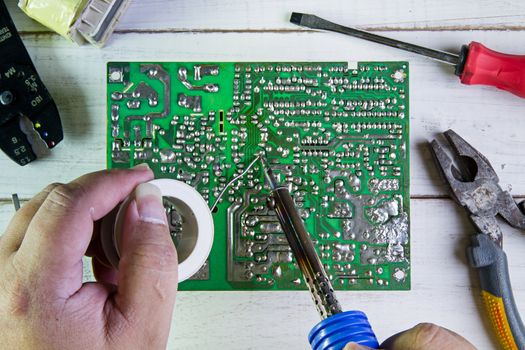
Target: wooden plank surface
(444, 290)
(240, 15)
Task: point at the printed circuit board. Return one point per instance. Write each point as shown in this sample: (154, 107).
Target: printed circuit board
(337, 133)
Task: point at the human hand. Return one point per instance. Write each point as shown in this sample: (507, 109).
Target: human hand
(424, 336)
(43, 302)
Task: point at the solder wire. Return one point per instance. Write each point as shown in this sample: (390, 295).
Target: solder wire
(232, 181)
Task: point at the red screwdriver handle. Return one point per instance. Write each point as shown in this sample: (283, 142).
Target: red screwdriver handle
(484, 66)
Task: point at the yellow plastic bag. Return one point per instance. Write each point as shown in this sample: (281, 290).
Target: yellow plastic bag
(58, 15)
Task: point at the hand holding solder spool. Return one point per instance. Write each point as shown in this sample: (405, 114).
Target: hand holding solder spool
(44, 303)
(189, 220)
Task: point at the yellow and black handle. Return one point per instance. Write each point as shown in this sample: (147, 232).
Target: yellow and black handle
(491, 262)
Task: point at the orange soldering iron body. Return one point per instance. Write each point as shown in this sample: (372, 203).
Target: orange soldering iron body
(484, 66)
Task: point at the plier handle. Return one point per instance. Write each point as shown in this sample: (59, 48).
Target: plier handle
(474, 185)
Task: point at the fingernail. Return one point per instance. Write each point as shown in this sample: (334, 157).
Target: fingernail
(141, 166)
(149, 204)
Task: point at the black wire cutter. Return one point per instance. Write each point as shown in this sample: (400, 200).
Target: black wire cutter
(23, 94)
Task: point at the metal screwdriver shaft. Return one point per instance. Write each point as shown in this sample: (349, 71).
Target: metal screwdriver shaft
(315, 22)
(302, 247)
(16, 201)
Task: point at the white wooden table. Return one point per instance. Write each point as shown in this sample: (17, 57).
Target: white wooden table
(444, 291)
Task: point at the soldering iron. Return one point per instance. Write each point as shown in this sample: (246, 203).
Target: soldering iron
(337, 328)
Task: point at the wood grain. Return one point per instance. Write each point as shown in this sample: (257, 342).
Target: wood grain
(444, 290)
(239, 15)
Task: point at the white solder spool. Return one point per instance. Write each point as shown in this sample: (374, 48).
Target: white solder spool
(197, 229)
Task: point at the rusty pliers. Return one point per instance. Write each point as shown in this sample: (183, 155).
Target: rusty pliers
(475, 186)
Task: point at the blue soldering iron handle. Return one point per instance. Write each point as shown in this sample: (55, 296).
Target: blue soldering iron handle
(340, 329)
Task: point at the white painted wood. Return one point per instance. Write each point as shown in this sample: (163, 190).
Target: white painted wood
(492, 120)
(444, 291)
(6, 212)
(274, 14)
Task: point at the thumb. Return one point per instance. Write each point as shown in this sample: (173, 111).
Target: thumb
(427, 336)
(147, 279)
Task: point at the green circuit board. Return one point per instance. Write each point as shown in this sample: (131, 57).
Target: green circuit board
(337, 133)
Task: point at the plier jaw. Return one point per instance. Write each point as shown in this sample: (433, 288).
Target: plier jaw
(473, 165)
(467, 170)
(475, 186)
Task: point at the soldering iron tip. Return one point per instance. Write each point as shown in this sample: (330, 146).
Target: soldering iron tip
(268, 173)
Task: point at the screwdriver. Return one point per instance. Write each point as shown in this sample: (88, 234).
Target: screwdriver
(475, 64)
(337, 328)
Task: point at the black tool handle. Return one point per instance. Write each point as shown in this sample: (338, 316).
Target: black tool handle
(22, 93)
(14, 142)
(491, 262)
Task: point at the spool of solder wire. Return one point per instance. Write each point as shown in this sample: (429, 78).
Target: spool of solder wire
(189, 219)
(334, 332)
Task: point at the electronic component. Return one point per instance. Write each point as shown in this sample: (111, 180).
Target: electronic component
(78, 20)
(337, 133)
(28, 114)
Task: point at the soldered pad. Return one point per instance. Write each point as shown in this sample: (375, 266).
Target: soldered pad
(336, 132)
